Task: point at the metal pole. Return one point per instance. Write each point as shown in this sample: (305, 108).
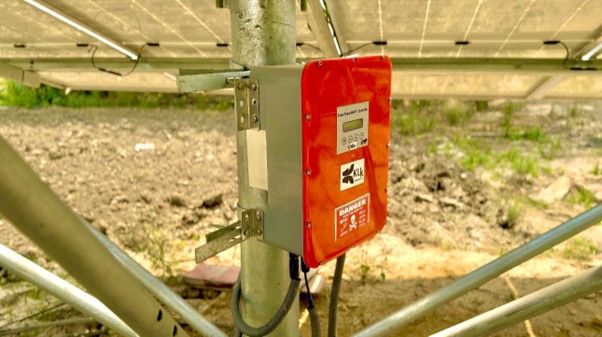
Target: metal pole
(263, 33)
(34, 209)
(63, 290)
(484, 274)
(529, 306)
(163, 293)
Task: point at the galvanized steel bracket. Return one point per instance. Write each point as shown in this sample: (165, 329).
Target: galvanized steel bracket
(246, 93)
(195, 80)
(251, 224)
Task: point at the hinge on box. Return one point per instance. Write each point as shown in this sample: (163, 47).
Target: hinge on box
(251, 224)
(246, 93)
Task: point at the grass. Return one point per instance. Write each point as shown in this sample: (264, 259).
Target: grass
(423, 116)
(17, 95)
(596, 170)
(414, 122)
(521, 163)
(580, 248)
(582, 196)
(476, 153)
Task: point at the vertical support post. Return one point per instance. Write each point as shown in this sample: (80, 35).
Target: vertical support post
(263, 33)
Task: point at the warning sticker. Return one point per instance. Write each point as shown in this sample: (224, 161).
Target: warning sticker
(352, 174)
(351, 216)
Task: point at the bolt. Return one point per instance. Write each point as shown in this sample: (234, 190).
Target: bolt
(308, 225)
(246, 217)
(354, 60)
(253, 86)
(258, 216)
(255, 118)
(308, 116)
(319, 63)
(245, 232)
(259, 231)
(253, 102)
(308, 172)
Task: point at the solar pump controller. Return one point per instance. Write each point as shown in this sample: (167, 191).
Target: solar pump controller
(321, 152)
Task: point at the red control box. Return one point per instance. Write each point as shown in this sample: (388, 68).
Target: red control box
(327, 127)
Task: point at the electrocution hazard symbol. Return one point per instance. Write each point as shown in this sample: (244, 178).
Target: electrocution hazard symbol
(351, 216)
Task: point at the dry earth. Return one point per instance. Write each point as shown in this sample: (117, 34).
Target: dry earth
(156, 181)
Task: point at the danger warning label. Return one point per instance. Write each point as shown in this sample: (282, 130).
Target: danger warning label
(351, 216)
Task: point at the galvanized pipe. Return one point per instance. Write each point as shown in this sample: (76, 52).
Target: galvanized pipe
(534, 304)
(163, 293)
(484, 274)
(263, 33)
(34, 209)
(63, 290)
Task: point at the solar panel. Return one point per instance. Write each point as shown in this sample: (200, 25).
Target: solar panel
(465, 48)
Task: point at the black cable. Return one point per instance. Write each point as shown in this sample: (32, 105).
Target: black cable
(334, 296)
(301, 44)
(287, 303)
(358, 48)
(375, 43)
(94, 49)
(33, 315)
(311, 308)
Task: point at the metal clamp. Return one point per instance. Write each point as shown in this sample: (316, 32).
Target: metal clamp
(246, 93)
(251, 224)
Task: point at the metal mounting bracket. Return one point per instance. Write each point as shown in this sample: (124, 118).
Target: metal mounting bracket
(251, 224)
(246, 93)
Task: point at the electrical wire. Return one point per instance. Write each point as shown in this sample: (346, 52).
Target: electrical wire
(358, 48)
(567, 55)
(94, 49)
(287, 303)
(334, 296)
(311, 308)
(33, 315)
(375, 43)
(301, 44)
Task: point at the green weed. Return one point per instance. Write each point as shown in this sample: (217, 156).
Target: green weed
(596, 170)
(13, 94)
(458, 115)
(521, 163)
(513, 213)
(414, 122)
(580, 248)
(581, 196)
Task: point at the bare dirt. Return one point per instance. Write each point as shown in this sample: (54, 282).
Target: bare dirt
(156, 181)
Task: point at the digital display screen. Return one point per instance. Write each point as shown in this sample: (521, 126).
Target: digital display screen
(353, 125)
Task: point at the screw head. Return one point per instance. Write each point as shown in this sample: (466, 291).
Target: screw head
(253, 86)
(255, 118)
(258, 217)
(308, 225)
(319, 63)
(259, 231)
(308, 172)
(308, 117)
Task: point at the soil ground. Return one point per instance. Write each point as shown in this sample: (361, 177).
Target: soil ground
(465, 187)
